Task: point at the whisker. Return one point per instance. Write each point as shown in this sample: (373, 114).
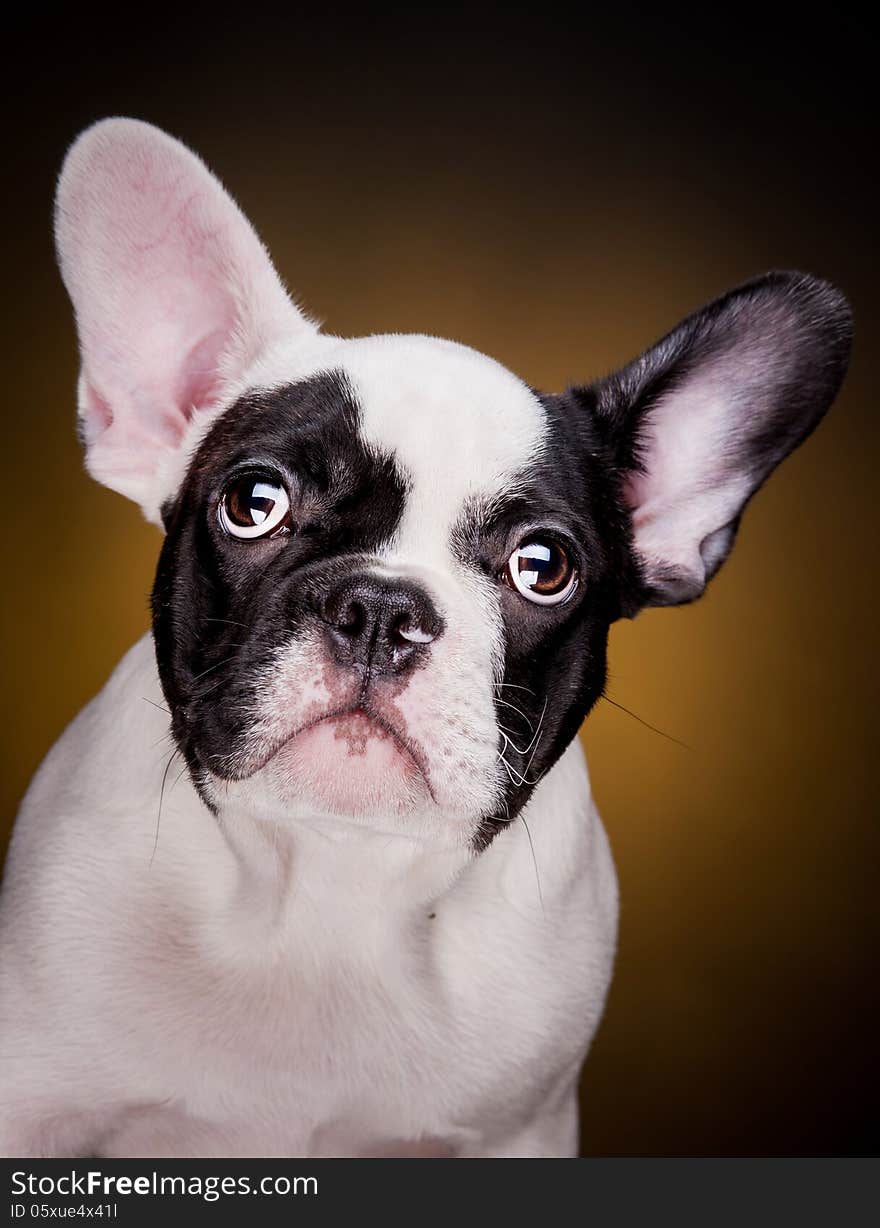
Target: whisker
(161, 796)
(532, 746)
(536, 738)
(519, 711)
(516, 778)
(514, 686)
(647, 724)
(536, 735)
(216, 665)
(155, 705)
(509, 770)
(203, 694)
(509, 741)
(534, 863)
(178, 776)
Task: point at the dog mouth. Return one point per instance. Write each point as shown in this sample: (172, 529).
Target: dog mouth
(357, 724)
(354, 740)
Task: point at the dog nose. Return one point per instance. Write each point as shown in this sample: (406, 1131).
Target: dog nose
(382, 625)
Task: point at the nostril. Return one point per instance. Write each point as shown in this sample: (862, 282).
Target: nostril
(351, 619)
(372, 623)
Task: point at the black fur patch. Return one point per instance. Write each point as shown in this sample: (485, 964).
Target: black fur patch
(776, 349)
(555, 656)
(220, 611)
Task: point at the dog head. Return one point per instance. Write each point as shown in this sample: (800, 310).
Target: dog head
(390, 565)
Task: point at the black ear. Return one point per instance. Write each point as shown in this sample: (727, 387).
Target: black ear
(699, 421)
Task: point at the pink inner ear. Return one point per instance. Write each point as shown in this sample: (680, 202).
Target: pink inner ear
(159, 315)
(152, 411)
(199, 377)
(174, 295)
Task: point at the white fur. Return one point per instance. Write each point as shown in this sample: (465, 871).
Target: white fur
(280, 989)
(289, 977)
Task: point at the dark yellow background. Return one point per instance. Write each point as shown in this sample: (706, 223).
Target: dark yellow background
(557, 196)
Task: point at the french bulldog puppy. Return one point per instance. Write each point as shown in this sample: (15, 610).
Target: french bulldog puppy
(274, 891)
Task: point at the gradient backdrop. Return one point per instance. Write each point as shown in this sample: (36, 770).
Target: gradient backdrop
(558, 196)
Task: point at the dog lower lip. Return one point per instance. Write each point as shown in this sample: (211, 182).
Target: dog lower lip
(357, 711)
(362, 711)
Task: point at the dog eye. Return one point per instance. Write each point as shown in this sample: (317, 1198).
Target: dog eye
(542, 572)
(254, 507)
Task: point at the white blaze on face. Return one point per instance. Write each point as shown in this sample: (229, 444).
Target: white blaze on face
(460, 428)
